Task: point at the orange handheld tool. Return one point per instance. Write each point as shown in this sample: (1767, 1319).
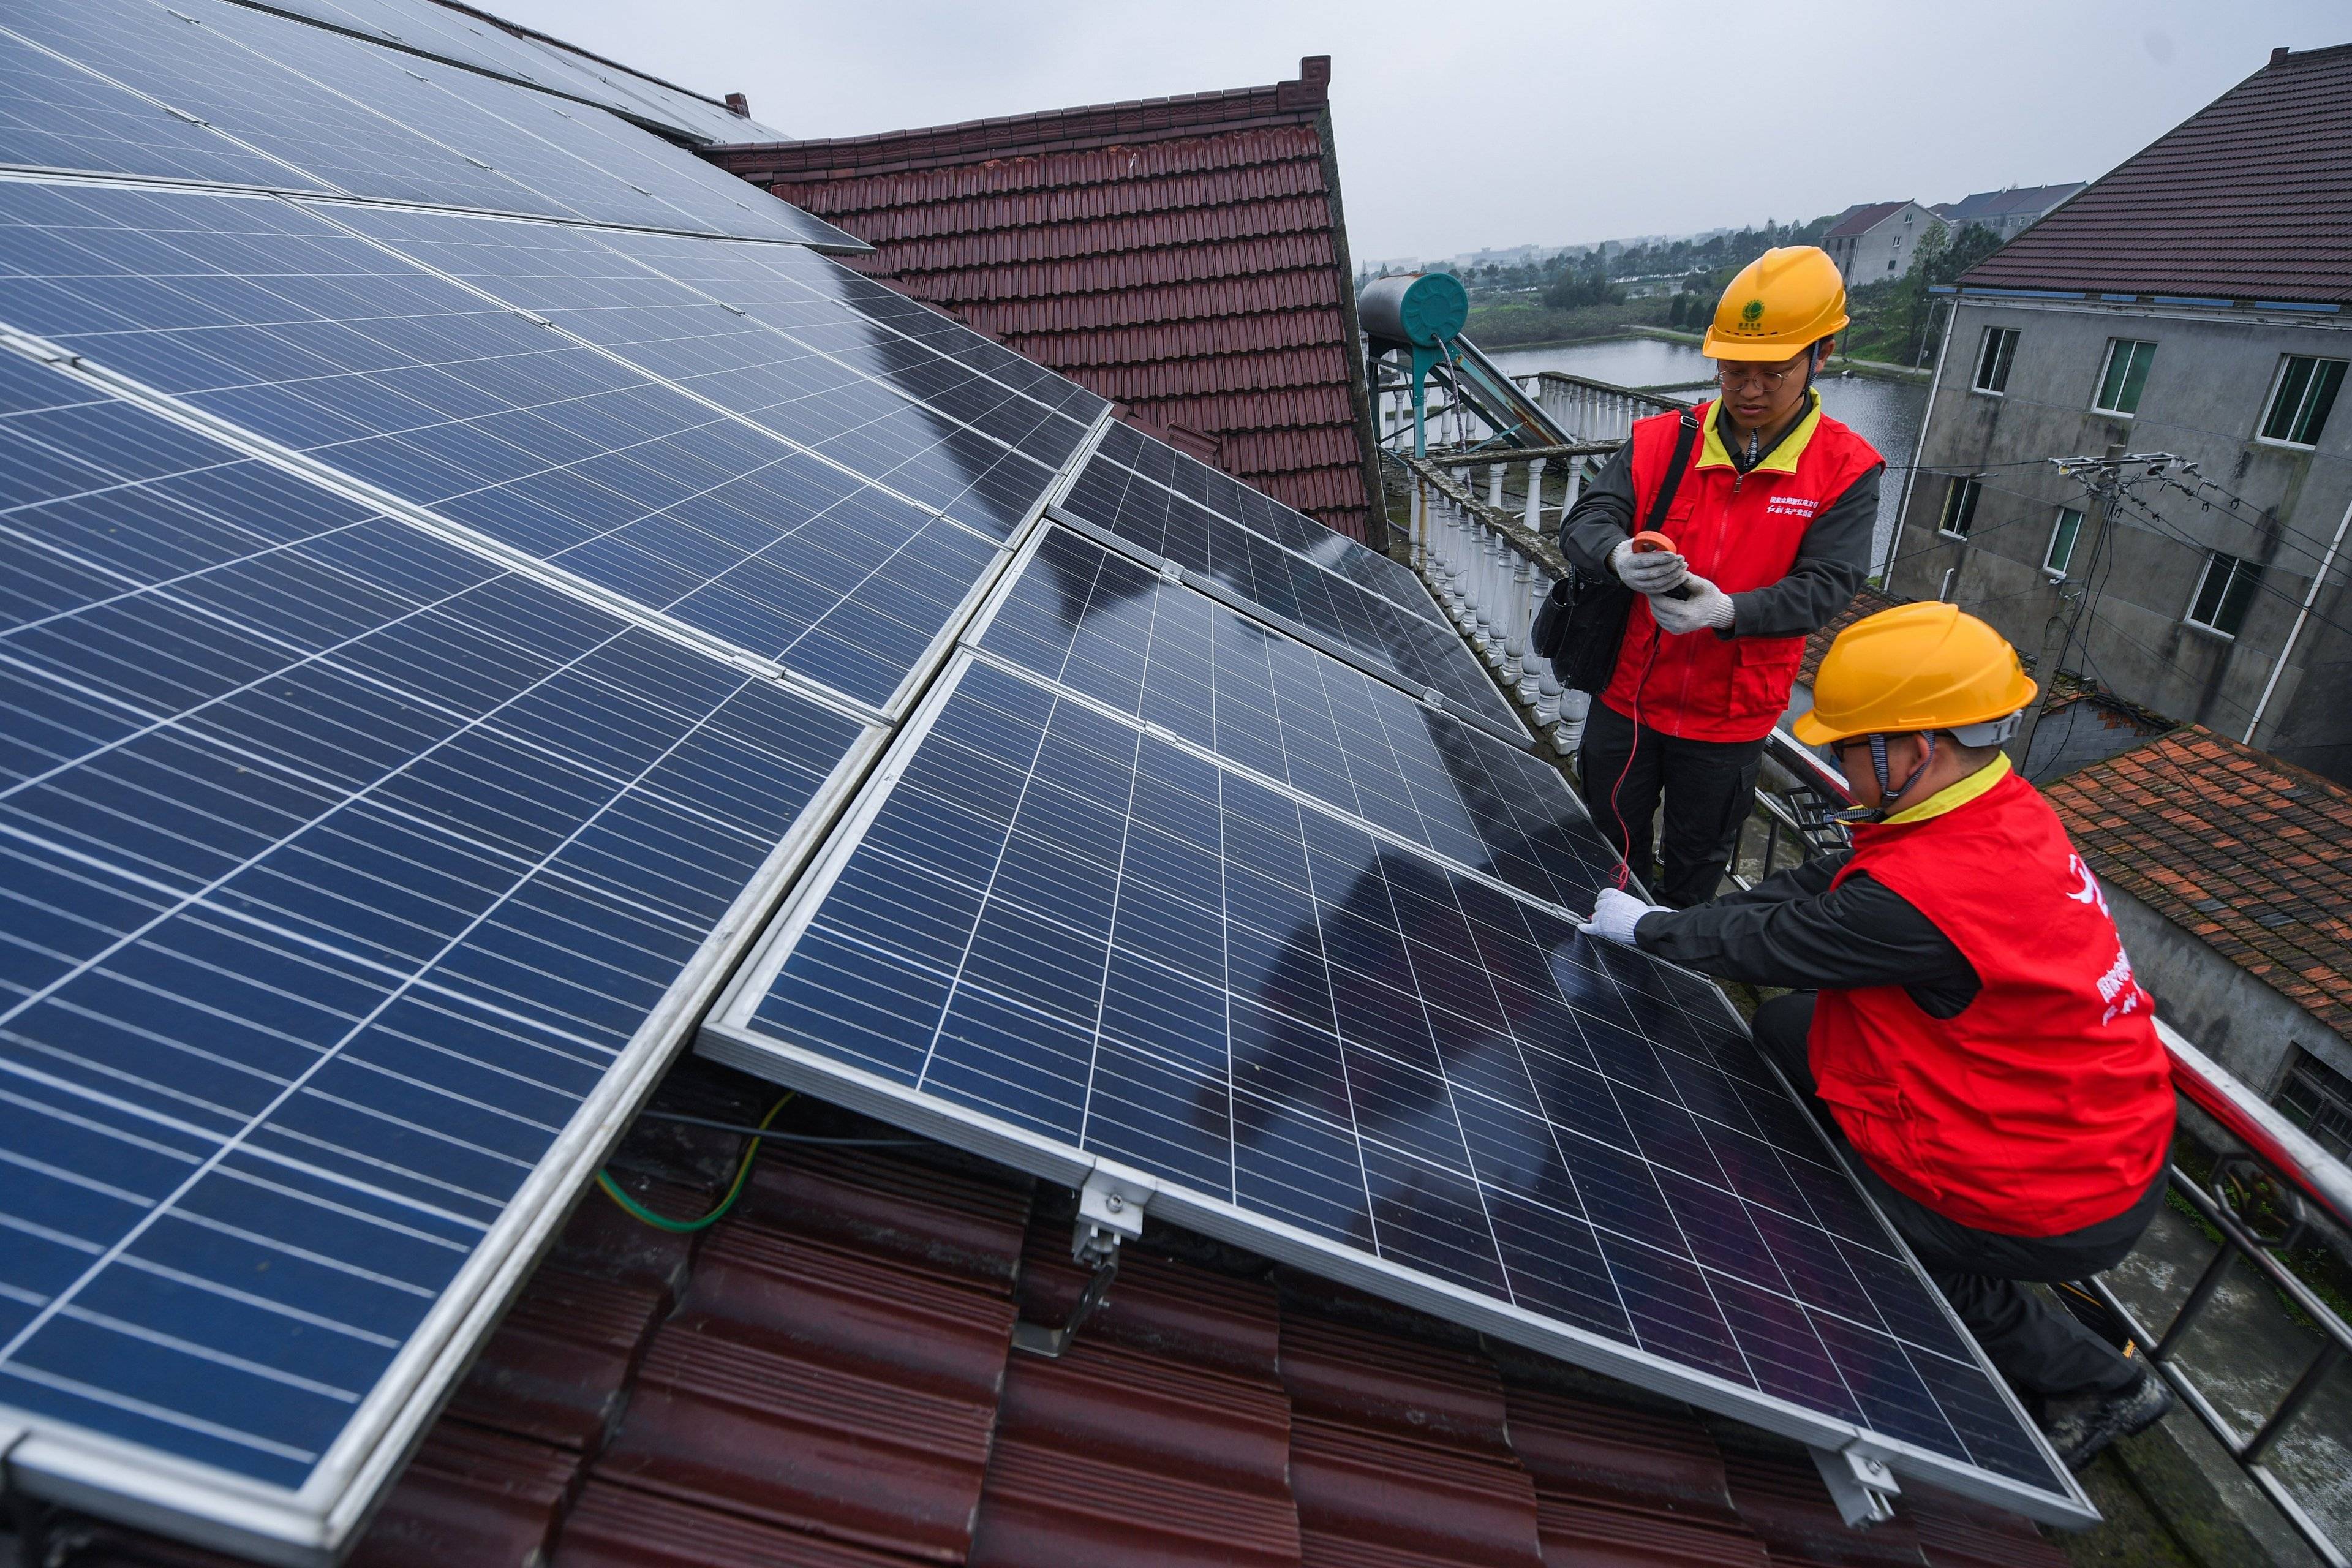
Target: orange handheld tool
(1650, 541)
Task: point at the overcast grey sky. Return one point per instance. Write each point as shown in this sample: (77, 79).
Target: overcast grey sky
(1463, 126)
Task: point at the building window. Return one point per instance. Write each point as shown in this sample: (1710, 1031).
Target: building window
(2127, 372)
(1993, 360)
(2061, 553)
(2300, 402)
(1959, 509)
(2318, 1098)
(1890, 263)
(2223, 592)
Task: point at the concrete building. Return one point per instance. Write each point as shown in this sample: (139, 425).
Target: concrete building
(2008, 213)
(1878, 239)
(2198, 300)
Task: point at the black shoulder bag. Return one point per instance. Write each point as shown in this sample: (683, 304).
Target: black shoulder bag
(1582, 620)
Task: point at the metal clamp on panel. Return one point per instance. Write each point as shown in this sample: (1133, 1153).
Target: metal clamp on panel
(1860, 1484)
(1110, 1210)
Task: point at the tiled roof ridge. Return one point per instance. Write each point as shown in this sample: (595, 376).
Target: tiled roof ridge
(1054, 130)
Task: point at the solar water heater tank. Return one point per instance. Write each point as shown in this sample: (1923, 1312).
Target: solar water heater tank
(1423, 310)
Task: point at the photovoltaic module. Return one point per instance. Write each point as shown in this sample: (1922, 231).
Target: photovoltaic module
(471, 572)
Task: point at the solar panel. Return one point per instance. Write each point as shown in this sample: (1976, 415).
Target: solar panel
(261, 313)
(1116, 631)
(353, 885)
(365, 122)
(867, 420)
(1260, 513)
(1054, 938)
(1407, 648)
(54, 114)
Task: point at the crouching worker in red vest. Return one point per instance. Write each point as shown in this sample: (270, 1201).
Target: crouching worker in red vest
(1771, 519)
(1965, 1012)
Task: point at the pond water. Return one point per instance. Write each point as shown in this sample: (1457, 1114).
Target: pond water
(1884, 413)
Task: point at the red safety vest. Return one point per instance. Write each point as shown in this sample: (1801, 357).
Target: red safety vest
(1739, 531)
(2046, 1104)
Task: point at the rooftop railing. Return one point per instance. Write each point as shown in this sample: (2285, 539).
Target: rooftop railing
(1490, 563)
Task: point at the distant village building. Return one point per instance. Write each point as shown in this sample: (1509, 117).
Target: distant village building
(1877, 240)
(2008, 213)
(2196, 301)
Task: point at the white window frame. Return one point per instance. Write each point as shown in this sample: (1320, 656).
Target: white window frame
(2213, 559)
(2058, 574)
(2270, 403)
(1960, 483)
(1976, 381)
(2108, 364)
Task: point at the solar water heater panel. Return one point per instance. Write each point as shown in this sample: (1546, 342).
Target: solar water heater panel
(309, 336)
(1058, 938)
(349, 887)
(1117, 631)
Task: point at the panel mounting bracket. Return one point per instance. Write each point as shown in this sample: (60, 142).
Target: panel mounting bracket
(1110, 1210)
(1860, 1484)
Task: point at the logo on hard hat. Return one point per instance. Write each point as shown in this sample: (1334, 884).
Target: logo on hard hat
(1752, 312)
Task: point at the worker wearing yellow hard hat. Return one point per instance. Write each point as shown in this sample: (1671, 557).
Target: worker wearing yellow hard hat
(1769, 508)
(1963, 1011)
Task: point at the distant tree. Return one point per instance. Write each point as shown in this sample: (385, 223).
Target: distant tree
(1585, 284)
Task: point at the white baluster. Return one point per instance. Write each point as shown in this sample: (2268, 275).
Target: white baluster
(1533, 516)
(1573, 706)
(1534, 667)
(1495, 485)
(1575, 485)
(1494, 609)
(1515, 627)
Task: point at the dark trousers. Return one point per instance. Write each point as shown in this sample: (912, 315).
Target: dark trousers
(2041, 1350)
(1709, 788)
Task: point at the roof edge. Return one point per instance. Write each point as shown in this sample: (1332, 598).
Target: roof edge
(1298, 102)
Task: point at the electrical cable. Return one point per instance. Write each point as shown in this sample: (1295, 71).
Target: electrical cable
(735, 1189)
(740, 1131)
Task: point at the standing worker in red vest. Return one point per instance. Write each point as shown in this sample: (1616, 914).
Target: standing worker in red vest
(1771, 523)
(1966, 1015)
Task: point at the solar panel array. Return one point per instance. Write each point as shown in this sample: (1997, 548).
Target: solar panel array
(1089, 939)
(461, 557)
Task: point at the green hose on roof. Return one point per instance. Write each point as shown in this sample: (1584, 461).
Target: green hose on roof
(687, 1227)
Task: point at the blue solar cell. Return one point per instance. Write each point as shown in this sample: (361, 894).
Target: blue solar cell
(369, 122)
(313, 337)
(589, 285)
(1419, 653)
(1060, 920)
(341, 867)
(1122, 634)
(55, 115)
(1260, 513)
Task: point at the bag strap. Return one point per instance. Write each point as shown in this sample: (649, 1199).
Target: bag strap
(1685, 437)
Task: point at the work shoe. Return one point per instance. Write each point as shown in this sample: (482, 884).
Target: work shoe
(2081, 1425)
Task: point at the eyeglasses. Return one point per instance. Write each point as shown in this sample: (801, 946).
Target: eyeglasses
(1765, 380)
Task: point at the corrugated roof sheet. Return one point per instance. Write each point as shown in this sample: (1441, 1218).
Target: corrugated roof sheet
(1182, 257)
(2229, 843)
(1986, 204)
(2251, 198)
(836, 1389)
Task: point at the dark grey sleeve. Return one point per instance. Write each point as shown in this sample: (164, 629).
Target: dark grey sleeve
(1602, 516)
(1805, 880)
(1858, 933)
(1832, 563)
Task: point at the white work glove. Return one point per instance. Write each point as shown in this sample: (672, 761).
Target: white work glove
(1647, 572)
(1615, 914)
(1703, 605)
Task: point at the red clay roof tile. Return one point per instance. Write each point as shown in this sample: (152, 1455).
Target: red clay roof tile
(1182, 257)
(2167, 822)
(2251, 198)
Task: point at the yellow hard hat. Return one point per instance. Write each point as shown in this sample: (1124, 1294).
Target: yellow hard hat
(1783, 303)
(1915, 666)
